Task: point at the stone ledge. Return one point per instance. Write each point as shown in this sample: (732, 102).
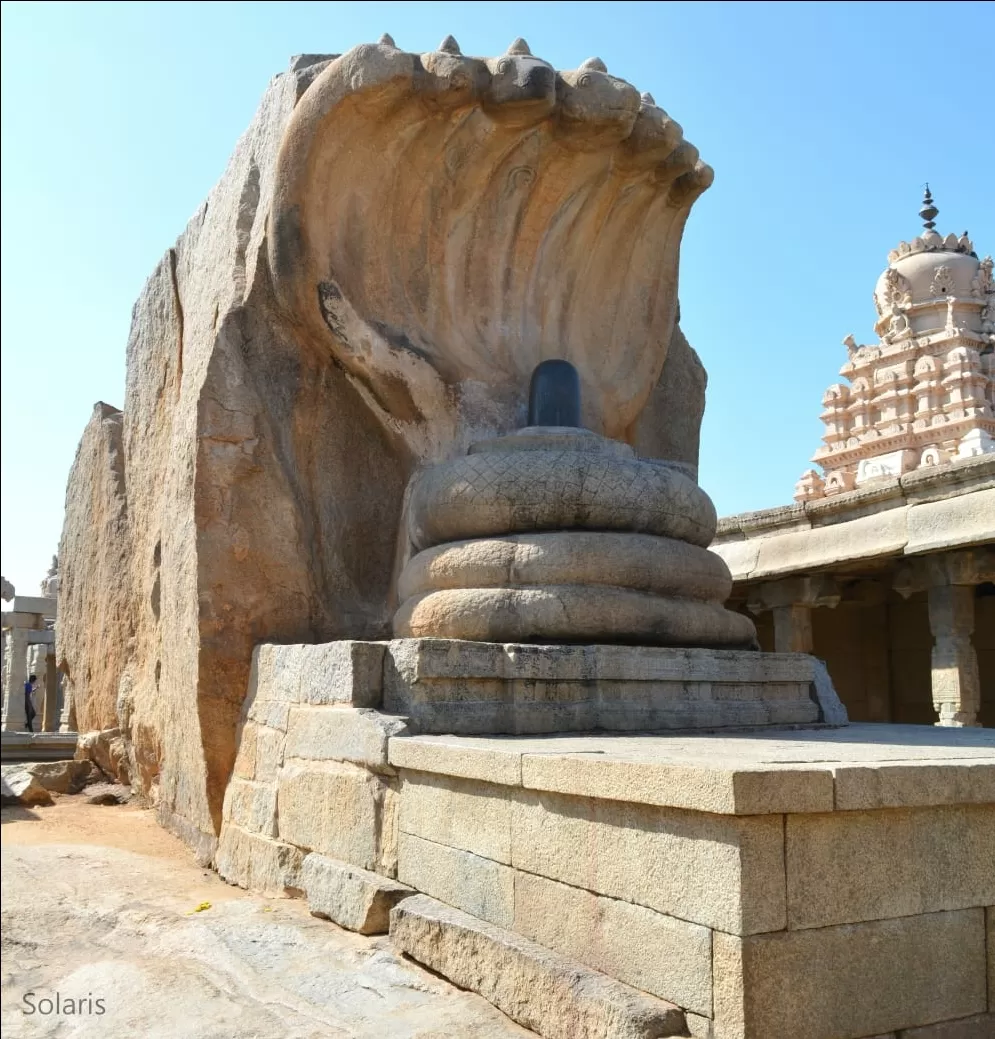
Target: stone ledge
(37, 604)
(959, 477)
(351, 897)
(427, 660)
(538, 988)
(755, 550)
(732, 774)
(37, 746)
(903, 785)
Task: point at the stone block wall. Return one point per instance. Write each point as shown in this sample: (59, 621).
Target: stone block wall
(311, 806)
(830, 924)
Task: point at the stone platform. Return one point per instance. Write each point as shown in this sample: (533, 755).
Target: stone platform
(806, 885)
(37, 746)
(833, 883)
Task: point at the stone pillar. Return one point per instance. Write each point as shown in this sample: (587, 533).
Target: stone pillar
(949, 580)
(67, 719)
(791, 602)
(50, 708)
(15, 674)
(792, 628)
(956, 685)
(41, 662)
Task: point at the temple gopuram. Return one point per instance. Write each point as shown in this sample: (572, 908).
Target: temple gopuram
(885, 564)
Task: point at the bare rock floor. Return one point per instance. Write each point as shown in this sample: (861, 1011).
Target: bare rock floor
(99, 903)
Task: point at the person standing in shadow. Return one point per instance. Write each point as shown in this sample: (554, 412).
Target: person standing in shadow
(29, 702)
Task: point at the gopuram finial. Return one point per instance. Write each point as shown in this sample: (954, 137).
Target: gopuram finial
(928, 212)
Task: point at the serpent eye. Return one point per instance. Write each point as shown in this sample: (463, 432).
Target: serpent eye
(584, 80)
(503, 66)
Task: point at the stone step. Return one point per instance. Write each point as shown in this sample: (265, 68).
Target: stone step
(351, 897)
(537, 988)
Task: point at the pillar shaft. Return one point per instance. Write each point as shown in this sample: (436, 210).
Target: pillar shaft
(792, 628)
(956, 685)
(50, 705)
(67, 718)
(15, 673)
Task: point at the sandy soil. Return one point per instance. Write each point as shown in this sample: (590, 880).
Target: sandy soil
(100, 904)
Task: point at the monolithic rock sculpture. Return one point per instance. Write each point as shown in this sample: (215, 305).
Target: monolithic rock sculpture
(397, 242)
(444, 223)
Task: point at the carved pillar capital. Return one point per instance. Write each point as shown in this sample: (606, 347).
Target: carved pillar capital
(812, 590)
(970, 566)
(791, 601)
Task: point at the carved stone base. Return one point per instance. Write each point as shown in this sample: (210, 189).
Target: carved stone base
(452, 686)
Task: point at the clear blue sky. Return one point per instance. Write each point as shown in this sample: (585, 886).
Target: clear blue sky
(822, 122)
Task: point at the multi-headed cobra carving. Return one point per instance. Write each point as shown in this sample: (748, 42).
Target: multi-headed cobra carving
(444, 223)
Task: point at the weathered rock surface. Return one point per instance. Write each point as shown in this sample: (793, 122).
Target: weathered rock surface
(291, 362)
(108, 794)
(21, 787)
(563, 1001)
(670, 424)
(111, 913)
(95, 602)
(237, 441)
(64, 777)
(108, 751)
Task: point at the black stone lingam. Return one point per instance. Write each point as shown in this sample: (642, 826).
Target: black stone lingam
(554, 395)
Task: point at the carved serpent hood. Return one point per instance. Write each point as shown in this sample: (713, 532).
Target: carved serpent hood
(443, 223)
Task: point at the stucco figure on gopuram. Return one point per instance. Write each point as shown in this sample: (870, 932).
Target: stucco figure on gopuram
(326, 431)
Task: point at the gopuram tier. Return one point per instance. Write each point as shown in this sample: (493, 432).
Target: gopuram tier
(924, 394)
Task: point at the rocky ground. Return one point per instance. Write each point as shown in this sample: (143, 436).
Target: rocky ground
(99, 903)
